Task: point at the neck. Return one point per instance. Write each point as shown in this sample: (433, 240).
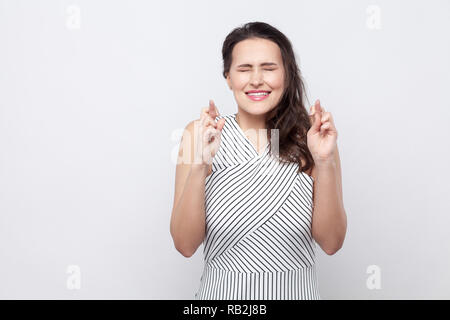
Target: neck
(254, 126)
(250, 122)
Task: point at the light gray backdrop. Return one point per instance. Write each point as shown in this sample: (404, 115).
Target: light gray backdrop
(93, 98)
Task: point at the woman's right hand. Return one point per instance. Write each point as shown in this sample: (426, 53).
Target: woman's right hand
(207, 135)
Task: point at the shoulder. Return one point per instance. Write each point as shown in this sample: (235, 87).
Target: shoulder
(187, 143)
(190, 126)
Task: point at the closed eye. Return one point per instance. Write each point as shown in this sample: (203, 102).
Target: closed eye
(249, 70)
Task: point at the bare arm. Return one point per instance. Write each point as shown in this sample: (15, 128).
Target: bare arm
(329, 223)
(187, 224)
(200, 143)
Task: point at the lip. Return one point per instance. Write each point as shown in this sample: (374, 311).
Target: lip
(260, 98)
(256, 91)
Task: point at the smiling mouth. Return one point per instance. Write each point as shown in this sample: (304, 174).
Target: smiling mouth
(258, 94)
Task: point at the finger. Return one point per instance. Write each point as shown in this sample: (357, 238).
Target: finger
(325, 127)
(210, 123)
(204, 111)
(207, 120)
(209, 135)
(318, 112)
(217, 111)
(216, 141)
(328, 118)
(220, 124)
(312, 112)
(318, 108)
(325, 117)
(215, 107)
(317, 123)
(212, 109)
(317, 105)
(205, 114)
(315, 117)
(312, 115)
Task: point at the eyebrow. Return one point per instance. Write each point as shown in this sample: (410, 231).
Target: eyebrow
(262, 64)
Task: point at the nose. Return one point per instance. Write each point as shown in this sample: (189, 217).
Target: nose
(256, 78)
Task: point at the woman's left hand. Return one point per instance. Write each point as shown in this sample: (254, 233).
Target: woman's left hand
(322, 135)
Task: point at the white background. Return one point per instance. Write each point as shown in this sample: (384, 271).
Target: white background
(91, 108)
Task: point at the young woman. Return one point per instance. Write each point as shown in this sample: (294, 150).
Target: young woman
(259, 203)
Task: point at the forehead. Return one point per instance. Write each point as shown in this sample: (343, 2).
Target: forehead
(256, 51)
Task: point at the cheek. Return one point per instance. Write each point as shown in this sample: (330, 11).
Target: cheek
(276, 81)
(240, 81)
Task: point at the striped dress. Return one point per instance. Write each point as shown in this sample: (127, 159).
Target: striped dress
(258, 242)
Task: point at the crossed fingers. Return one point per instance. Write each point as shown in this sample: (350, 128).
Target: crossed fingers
(208, 115)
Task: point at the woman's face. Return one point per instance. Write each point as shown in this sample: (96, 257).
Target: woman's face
(256, 65)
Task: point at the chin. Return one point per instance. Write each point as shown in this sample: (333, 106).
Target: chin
(257, 109)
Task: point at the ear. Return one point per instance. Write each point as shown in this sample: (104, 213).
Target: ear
(229, 80)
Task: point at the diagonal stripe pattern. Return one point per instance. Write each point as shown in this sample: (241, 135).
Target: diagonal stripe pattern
(258, 242)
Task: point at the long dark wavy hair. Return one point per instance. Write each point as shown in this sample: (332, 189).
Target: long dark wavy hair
(289, 116)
